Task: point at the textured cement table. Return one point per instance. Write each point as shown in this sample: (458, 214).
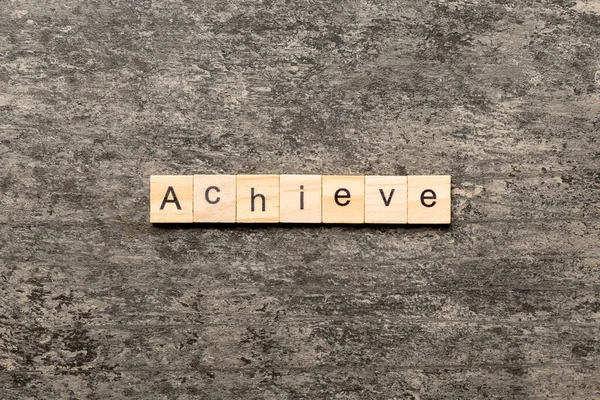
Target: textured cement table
(97, 303)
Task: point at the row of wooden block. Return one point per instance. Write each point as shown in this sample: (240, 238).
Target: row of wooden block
(300, 199)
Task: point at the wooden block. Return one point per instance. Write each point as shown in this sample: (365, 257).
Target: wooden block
(429, 199)
(300, 198)
(385, 199)
(214, 198)
(171, 198)
(343, 199)
(257, 198)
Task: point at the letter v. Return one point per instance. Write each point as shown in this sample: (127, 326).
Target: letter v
(389, 199)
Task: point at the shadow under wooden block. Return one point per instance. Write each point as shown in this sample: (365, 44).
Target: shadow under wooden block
(300, 198)
(257, 198)
(214, 198)
(171, 198)
(343, 199)
(385, 200)
(429, 199)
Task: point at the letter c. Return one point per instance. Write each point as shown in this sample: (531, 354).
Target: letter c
(208, 200)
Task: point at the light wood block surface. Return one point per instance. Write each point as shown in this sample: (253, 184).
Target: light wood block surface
(385, 199)
(214, 198)
(300, 198)
(257, 198)
(171, 198)
(343, 199)
(429, 199)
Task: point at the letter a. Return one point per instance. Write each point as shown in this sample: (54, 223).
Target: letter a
(166, 199)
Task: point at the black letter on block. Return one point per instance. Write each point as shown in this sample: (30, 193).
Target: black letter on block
(302, 197)
(342, 196)
(208, 189)
(432, 197)
(254, 196)
(166, 199)
(389, 199)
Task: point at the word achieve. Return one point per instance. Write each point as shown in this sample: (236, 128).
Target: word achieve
(300, 199)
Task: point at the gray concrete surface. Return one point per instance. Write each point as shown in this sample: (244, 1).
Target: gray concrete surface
(96, 303)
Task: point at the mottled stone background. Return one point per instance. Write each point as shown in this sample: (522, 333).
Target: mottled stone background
(96, 96)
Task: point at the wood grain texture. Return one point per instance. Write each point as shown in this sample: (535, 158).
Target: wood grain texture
(343, 199)
(171, 198)
(215, 198)
(429, 199)
(257, 198)
(385, 199)
(98, 303)
(300, 198)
